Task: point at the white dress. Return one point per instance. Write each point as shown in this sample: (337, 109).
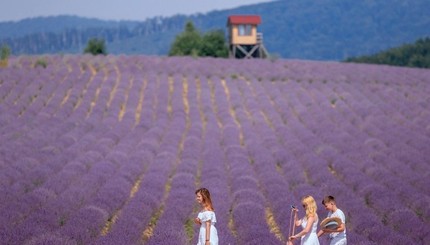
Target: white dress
(311, 238)
(206, 216)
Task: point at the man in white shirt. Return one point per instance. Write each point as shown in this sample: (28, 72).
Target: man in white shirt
(338, 235)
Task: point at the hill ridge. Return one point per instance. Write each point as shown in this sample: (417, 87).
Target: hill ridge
(323, 30)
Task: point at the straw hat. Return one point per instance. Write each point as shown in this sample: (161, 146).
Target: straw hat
(331, 223)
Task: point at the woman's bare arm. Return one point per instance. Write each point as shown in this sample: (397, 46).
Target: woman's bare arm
(208, 230)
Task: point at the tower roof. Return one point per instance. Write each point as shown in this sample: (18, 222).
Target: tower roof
(244, 19)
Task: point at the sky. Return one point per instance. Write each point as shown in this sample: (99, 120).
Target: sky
(14, 10)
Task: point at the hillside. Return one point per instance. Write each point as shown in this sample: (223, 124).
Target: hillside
(301, 29)
(412, 55)
(55, 24)
(110, 149)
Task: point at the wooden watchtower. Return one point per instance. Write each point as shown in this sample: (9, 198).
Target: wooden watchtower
(244, 40)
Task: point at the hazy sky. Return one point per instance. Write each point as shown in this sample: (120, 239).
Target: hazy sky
(12, 10)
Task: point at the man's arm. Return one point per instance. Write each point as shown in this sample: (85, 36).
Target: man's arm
(338, 229)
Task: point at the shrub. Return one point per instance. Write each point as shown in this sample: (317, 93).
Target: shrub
(96, 46)
(4, 55)
(41, 62)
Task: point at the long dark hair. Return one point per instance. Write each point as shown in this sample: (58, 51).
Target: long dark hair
(206, 195)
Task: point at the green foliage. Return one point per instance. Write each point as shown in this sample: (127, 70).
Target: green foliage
(189, 229)
(187, 43)
(41, 62)
(5, 52)
(96, 46)
(192, 43)
(4, 55)
(214, 44)
(412, 55)
(333, 101)
(234, 76)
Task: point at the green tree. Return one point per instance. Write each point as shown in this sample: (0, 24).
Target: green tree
(96, 46)
(187, 43)
(191, 42)
(4, 55)
(5, 52)
(214, 44)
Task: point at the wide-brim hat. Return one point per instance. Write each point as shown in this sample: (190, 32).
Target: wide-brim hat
(330, 223)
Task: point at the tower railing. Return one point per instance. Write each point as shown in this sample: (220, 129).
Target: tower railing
(259, 37)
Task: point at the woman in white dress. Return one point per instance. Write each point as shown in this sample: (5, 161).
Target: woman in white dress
(206, 218)
(309, 223)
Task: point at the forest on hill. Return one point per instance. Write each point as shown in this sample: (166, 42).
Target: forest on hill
(412, 55)
(299, 29)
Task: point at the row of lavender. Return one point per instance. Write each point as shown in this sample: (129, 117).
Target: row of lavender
(110, 150)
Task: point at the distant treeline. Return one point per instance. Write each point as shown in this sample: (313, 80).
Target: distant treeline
(412, 55)
(294, 29)
(120, 37)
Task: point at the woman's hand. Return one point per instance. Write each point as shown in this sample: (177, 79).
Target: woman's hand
(207, 243)
(292, 238)
(197, 221)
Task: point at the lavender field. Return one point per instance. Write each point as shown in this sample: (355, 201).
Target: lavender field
(109, 150)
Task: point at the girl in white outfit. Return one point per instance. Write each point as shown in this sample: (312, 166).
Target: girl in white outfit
(309, 223)
(206, 218)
